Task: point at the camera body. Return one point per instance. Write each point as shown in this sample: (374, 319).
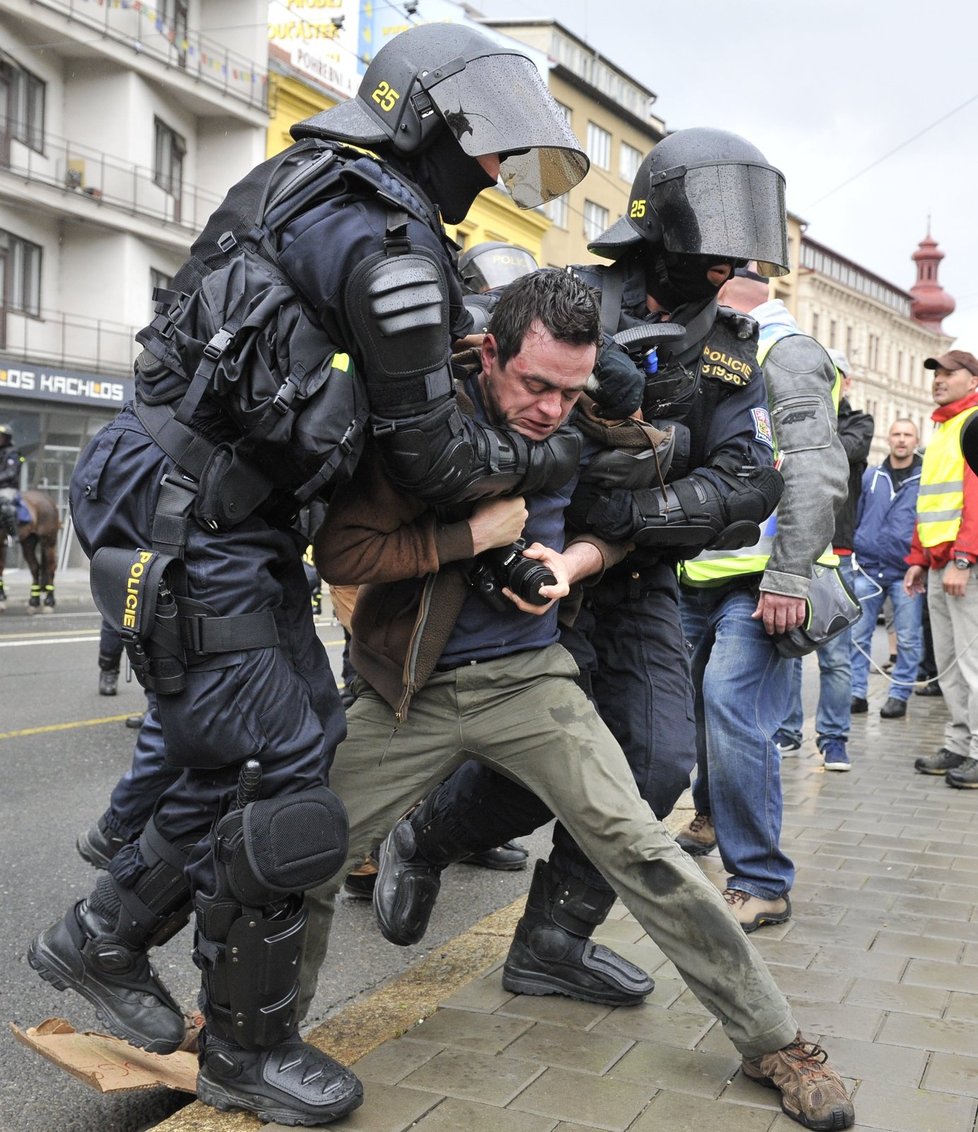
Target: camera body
(505, 566)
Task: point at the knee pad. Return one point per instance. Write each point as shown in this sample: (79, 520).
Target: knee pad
(282, 846)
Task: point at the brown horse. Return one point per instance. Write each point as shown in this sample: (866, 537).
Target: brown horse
(39, 542)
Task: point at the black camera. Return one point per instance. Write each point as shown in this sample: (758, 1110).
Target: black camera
(506, 566)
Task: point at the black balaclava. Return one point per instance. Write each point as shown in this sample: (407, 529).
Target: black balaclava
(673, 280)
(451, 179)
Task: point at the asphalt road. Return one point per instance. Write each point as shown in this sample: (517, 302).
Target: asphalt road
(62, 748)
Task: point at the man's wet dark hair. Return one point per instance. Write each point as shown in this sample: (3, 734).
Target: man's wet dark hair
(559, 301)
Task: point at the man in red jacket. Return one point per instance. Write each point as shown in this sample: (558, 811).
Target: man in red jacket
(942, 556)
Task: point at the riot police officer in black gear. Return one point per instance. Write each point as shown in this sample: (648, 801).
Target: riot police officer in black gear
(323, 286)
(703, 201)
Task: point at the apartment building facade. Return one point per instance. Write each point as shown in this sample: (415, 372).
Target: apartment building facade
(885, 331)
(121, 126)
(611, 114)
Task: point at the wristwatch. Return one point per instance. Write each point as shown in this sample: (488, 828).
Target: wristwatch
(963, 563)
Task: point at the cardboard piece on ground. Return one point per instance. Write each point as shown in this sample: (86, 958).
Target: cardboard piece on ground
(108, 1064)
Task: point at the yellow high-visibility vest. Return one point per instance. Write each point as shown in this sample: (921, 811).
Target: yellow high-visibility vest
(712, 567)
(940, 499)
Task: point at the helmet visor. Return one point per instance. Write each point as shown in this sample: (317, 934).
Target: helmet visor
(495, 267)
(500, 104)
(731, 209)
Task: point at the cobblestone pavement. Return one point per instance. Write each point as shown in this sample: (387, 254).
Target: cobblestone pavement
(880, 962)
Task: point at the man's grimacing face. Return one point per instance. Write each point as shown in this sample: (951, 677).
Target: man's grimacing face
(537, 388)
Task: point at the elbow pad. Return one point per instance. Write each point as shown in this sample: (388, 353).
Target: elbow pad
(444, 457)
(399, 312)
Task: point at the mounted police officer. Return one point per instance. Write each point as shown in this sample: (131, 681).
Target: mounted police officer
(703, 202)
(322, 288)
(10, 462)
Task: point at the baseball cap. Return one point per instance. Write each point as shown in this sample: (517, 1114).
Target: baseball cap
(954, 359)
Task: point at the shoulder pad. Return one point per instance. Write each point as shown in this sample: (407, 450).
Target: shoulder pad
(739, 323)
(800, 353)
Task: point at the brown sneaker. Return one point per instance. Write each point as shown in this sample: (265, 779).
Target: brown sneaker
(755, 912)
(698, 837)
(811, 1092)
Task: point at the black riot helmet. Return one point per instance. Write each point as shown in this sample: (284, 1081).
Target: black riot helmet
(443, 78)
(707, 193)
(492, 264)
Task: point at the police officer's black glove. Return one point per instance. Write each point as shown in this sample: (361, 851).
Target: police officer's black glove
(618, 386)
(610, 514)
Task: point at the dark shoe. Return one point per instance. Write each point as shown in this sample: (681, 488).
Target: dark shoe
(811, 1092)
(406, 888)
(787, 743)
(940, 763)
(99, 844)
(888, 667)
(834, 755)
(893, 709)
(509, 857)
(79, 953)
(293, 1084)
(858, 706)
(965, 776)
(108, 683)
(360, 882)
(753, 912)
(135, 721)
(545, 957)
(931, 688)
(698, 837)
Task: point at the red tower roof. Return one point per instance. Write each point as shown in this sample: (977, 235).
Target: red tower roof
(931, 303)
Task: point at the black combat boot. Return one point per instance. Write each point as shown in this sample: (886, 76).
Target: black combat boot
(108, 675)
(87, 952)
(293, 1083)
(100, 843)
(412, 859)
(552, 953)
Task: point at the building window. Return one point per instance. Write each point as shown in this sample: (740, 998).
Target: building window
(20, 272)
(595, 220)
(25, 105)
(170, 152)
(629, 159)
(565, 110)
(832, 330)
(598, 146)
(556, 210)
(815, 327)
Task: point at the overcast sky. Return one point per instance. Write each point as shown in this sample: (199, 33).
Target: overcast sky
(869, 107)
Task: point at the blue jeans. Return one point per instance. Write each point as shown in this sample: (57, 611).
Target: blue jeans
(835, 686)
(742, 684)
(907, 613)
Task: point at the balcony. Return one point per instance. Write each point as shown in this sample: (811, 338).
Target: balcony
(140, 28)
(70, 341)
(107, 181)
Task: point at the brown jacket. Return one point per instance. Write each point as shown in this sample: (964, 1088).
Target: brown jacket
(411, 594)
